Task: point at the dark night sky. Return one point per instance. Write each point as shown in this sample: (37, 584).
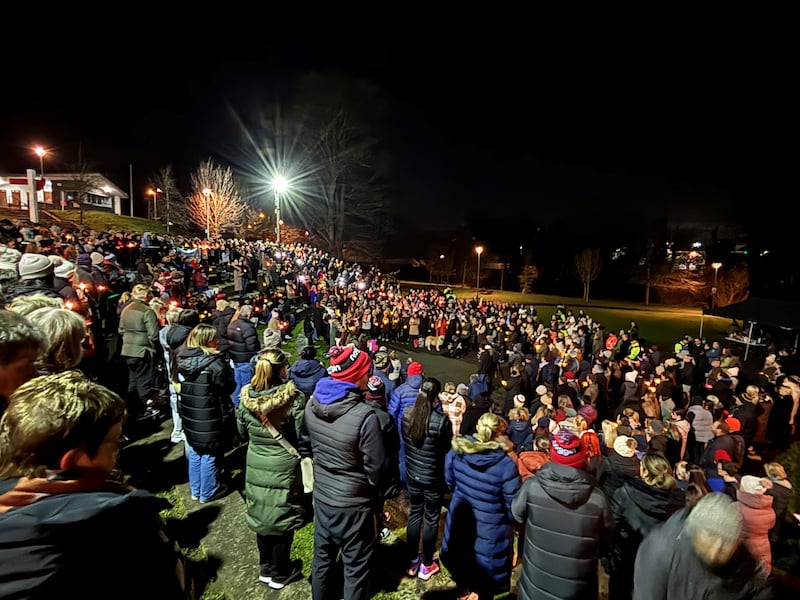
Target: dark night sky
(552, 127)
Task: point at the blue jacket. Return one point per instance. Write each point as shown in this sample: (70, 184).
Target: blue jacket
(306, 373)
(403, 396)
(478, 534)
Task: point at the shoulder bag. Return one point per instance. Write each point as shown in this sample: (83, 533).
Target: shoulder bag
(306, 464)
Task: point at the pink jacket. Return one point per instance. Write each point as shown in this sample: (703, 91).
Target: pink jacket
(758, 518)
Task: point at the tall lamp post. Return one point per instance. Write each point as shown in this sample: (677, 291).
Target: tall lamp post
(279, 186)
(40, 152)
(154, 193)
(716, 267)
(207, 194)
(478, 251)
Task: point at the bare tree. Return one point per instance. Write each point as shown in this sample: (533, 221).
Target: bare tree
(529, 274)
(222, 207)
(83, 183)
(587, 268)
(733, 286)
(346, 207)
(681, 287)
(175, 211)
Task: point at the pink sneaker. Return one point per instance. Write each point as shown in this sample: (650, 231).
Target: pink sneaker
(413, 568)
(426, 573)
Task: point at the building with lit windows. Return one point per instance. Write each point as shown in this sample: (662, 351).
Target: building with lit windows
(90, 191)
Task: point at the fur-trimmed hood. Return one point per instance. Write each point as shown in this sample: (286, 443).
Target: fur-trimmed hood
(270, 400)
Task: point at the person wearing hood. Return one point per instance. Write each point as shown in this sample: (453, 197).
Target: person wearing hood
(349, 462)
(758, 517)
(638, 506)
(306, 371)
(206, 383)
(481, 473)
(405, 395)
(565, 517)
(273, 479)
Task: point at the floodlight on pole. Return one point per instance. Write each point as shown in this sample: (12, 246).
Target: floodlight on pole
(279, 186)
(207, 194)
(478, 251)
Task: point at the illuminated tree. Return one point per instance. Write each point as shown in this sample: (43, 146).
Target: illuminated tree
(529, 274)
(222, 207)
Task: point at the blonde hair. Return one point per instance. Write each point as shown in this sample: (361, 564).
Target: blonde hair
(66, 331)
(140, 291)
(25, 305)
(267, 372)
(609, 429)
(490, 426)
(519, 414)
(201, 337)
(775, 469)
(656, 472)
(50, 415)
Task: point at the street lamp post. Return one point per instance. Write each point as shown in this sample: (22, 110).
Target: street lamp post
(279, 185)
(207, 193)
(40, 152)
(154, 193)
(716, 267)
(478, 251)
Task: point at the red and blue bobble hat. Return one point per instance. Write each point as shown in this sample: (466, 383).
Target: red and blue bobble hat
(348, 363)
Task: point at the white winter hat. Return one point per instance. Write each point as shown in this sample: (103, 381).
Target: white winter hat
(64, 269)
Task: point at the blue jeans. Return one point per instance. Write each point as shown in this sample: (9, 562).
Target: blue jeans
(203, 474)
(242, 374)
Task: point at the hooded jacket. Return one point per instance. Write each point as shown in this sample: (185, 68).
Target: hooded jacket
(758, 518)
(478, 534)
(346, 443)
(404, 395)
(204, 401)
(306, 373)
(566, 521)
(273, 480)
(638, 508)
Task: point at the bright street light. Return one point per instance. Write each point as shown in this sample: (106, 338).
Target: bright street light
(40, 152)
(207, 194)
(154, 193)
(478, 251)
(279, 186)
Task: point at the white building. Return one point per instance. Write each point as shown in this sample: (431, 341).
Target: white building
(90, 191)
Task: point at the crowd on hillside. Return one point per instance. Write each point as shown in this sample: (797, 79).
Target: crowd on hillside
(583, 444)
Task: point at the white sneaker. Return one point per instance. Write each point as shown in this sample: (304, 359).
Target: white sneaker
(265, 580)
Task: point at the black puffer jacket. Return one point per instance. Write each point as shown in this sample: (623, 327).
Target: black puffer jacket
(567, 519)
(205, 399)
(242, 341)
(425, 461)
(637, 509)
(616, 470)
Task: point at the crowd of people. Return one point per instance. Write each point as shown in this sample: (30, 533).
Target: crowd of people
(575, 446)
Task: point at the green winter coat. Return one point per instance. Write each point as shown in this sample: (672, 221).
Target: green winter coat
(273, 481)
